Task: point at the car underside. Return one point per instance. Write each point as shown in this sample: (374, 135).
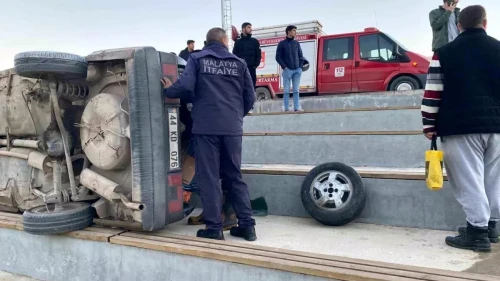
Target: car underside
(86, 139)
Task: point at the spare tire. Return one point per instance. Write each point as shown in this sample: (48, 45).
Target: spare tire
(47, 65)
(45, 220)
(333, 194)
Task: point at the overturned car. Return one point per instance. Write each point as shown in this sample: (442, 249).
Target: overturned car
(86, 140)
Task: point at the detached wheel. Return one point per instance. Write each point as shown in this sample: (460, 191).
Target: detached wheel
(43, 65)
(404, 83)
(333, 194)
(263, 93)
(73, 216)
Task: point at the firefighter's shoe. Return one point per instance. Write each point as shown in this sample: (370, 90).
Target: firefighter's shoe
(229, 219)
(474, 238)
(492, 232)
(210, 234)
(198, 220)
(247, 233)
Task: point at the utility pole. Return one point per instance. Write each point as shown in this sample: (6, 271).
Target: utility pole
(227, 20)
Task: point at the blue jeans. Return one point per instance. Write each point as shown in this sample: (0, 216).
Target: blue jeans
(293, 75)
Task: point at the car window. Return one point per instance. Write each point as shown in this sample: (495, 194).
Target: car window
(338, 49)
(376, 48)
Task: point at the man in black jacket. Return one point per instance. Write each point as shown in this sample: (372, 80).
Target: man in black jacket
(248, 49)
(462, 106)
(186, 53)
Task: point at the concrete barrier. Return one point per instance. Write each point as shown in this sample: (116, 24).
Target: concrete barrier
(367, 120)
(161, 255)
(57, 258)
(360, 100)
(406, 203)
(401, 151)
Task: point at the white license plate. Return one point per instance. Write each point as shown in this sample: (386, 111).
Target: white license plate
(173, 138)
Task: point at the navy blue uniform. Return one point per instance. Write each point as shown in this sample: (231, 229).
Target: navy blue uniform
(222, 92)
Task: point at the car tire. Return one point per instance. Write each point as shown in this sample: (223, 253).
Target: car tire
(48, 65)
(320, 195)
(404, 83)
(263, 93)
(74, 216)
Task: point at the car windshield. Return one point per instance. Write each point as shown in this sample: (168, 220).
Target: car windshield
(396, 41)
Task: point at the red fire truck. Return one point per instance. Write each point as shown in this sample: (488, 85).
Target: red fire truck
(367, 61)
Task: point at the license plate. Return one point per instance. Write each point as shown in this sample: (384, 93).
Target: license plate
(173, 138)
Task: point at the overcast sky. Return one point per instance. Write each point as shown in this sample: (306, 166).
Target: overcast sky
(82, 27)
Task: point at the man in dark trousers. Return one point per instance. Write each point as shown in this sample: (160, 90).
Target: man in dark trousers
(248, 48)
(187, 52)
(220, 86)
(461, 105)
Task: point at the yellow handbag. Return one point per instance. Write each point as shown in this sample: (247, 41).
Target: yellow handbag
(434, 166)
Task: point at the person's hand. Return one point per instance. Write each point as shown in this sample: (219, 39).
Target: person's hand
(430, 135)
(166, 82)
(451, 7)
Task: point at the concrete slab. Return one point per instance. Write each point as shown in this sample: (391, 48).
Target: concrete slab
(359, 100)
(401, 151)
(59, 258)
(400, 120)
(406, 246)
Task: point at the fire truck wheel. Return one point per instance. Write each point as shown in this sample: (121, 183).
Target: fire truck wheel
(44, 65)
(263, 93)
(333, 194)
(404, 83)
(46, 220)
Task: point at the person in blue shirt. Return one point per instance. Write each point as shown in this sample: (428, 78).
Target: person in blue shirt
(289, 57)
(222, 92)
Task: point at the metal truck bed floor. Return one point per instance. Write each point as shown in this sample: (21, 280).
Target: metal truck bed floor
(287, 248)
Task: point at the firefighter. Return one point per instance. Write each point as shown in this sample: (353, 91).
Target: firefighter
(222, 92)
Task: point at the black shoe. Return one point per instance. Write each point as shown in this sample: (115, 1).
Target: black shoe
(247, 233)
(492, 232)
(474, 238)
(210, 234)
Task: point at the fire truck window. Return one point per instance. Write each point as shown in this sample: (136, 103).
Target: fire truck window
(375, 48)
(338, 49)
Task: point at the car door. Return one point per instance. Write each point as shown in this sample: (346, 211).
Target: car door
(336, 65)
(375, 62)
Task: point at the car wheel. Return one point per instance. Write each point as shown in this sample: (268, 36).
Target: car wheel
(404, 83)
(333, 194)
(47, 220)
(47, 65)
(263, 93)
